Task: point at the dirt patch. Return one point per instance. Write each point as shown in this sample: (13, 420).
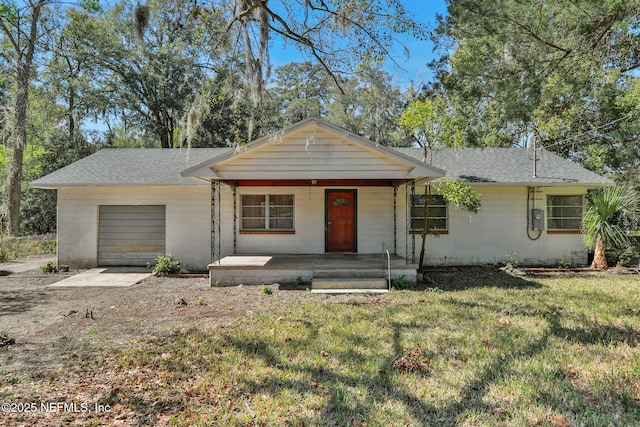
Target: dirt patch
(48, 326)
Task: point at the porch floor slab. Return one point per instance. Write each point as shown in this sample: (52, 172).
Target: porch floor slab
(288, 268)
(318, 262)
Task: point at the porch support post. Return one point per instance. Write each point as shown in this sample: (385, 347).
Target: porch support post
(395, 220)
(215, 221)
(411, 244)
(235, 219)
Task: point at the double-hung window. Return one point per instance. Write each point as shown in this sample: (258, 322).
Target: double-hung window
(437, 215)
(262, 212)
(564, 213)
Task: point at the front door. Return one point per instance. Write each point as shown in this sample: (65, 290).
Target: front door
(341, 220)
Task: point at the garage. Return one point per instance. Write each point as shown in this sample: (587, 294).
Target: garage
(130, 235)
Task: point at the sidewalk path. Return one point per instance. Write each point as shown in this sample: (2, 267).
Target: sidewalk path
(105, 277)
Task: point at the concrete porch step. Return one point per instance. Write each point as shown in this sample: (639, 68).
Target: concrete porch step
(349, 291)
(359, 273)
(348, 283)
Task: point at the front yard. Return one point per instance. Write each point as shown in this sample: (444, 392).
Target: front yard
(477, 348)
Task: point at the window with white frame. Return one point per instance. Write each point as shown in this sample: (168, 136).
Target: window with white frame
(266, 212)
(437, 215)
(564, 212)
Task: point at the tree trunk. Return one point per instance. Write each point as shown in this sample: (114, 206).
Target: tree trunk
(165, 131)
(599, 258)
(24, 60)
(70, 111)
(427, 202)
(14, 178)
(14, 188)
(3, 251)
(164, 138)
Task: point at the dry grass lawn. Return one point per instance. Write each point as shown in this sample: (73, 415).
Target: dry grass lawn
(476, 349)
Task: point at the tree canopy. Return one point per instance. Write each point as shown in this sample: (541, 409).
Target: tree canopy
(169, 73)
(336, 34)
(563, 73)
(172, 72)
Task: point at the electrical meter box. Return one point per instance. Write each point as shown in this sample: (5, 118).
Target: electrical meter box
(537, 219)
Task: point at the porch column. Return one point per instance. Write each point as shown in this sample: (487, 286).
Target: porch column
(411, 244)
(235, 218)
(395, 220)
(215, 221)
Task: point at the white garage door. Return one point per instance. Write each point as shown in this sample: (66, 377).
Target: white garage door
(131, 235)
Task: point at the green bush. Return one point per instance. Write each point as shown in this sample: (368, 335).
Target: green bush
(48, 246)
(627, 257)
(25, 246)
(49, 268)
(512, 260)
(165, 264)
(401, 283)
(566, 263)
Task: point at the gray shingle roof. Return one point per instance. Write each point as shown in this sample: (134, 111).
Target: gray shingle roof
(157, 166)
(508, 166)
(129, 166)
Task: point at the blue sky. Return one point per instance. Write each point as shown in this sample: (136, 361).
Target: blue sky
(421, 52)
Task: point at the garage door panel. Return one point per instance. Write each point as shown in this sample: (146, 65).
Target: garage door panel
(132, 232)
(136, 219)
(131, 235)
(127, 247)
(130, 208)
(147, 222)
(106, 242)
(141, 259)
(115, 210)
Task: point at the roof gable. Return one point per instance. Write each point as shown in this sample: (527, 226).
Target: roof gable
(312, 149)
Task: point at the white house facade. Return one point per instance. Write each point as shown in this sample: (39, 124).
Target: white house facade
(315, 189)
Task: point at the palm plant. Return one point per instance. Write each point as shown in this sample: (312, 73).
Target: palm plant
(601, 222)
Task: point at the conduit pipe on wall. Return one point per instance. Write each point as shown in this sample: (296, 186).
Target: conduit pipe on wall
(531, 205)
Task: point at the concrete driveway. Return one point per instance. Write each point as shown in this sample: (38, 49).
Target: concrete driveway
(111, 277)
(95, 277)
(26, 265)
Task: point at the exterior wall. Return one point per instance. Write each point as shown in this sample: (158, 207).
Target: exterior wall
(188, 222)
(500, 228)
(374, 222)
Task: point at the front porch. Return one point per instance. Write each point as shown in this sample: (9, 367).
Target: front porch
(324, 271)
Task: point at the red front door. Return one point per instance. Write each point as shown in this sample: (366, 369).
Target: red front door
(341, 220)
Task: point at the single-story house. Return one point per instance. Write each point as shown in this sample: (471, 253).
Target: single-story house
(314, 188)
